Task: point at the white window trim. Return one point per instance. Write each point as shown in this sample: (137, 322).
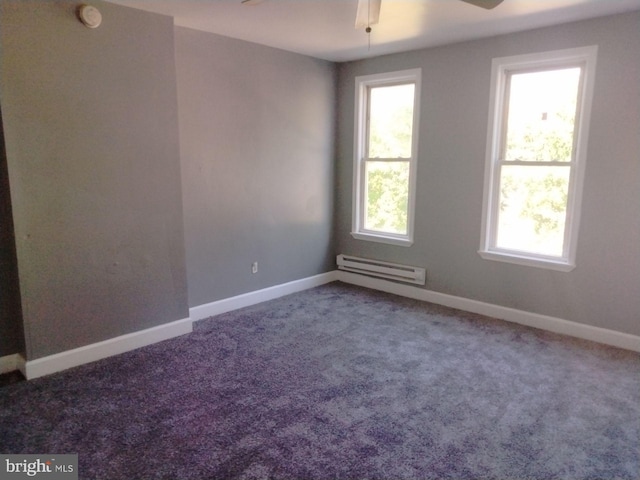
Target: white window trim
(499, 67)
(360, 128)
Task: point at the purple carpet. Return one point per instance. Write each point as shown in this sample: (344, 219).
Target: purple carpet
(340, 382)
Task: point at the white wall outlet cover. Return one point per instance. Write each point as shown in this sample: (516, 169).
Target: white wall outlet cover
(90, 16)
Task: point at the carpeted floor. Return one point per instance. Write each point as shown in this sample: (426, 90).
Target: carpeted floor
(10, 378)
(340, 382)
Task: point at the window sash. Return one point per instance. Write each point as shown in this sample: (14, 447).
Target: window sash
(506, 95)
(365, 198)
(367, 138)
(493, 232)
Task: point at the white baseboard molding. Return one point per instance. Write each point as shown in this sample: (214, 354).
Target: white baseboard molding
(544, 322)
(114, 346)
(247, 299)
(107, 348)
(90, 353)
(11, 363)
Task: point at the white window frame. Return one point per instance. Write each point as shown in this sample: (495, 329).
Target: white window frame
(501, 68)
(363, 84)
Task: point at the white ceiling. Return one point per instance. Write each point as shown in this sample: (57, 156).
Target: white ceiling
(325, 28)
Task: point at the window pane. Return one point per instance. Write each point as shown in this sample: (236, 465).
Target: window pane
(387, 196)
(390, 121)
(541, 115)
(532, 208)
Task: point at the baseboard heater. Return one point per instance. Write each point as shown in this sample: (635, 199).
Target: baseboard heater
(376, 268)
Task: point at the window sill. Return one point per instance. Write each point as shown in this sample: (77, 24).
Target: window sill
(381, 238)
(530, 261)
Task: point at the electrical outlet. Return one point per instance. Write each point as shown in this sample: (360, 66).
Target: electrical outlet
(254, 267)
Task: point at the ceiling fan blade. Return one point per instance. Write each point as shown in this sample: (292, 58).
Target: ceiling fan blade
(368, 13)
(488, 4)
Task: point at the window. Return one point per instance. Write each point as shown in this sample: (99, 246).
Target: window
(536, 150)
(386, 126)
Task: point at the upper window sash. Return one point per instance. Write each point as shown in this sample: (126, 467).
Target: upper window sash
(506, 96)
(369, 126)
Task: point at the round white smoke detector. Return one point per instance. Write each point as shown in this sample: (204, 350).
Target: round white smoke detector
(90, 16)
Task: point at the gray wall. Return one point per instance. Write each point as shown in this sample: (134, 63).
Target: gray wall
(91, 131)
(257, 148)
(604, 289)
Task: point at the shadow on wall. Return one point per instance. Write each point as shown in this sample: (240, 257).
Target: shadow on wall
(11, 331)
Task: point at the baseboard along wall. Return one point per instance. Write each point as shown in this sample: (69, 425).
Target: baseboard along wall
(107, 348)
(11, 363)
(90, 353)
(96, 351)
(543, 322)
(247, 299)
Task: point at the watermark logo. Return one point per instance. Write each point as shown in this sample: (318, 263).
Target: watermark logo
(49, 467)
